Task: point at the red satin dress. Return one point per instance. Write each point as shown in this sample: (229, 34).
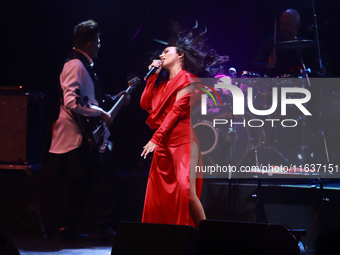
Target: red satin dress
(168, 188)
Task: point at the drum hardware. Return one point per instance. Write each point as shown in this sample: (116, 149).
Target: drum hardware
(254, 149)
(298, 45)
(211, 136)
(248, 79)
(232, 72)
(249, 74)
(294, 44)
(269, 152)
(271, 155)
(302, 155)
(256, 153)
(259, 207)
(263, 99)
(232, 133)
(322, 199)
(325, 144)
(225, 144)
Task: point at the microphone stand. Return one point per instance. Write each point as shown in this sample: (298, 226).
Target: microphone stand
(317, 36)
(322, 199)
(320, 67)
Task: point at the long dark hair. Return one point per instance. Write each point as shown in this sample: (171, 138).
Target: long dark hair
(198, 59)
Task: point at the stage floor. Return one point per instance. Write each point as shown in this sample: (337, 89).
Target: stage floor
(292, 202)
(33, 245)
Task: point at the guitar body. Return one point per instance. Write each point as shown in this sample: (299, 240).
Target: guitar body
(95, 132)
(94, 128)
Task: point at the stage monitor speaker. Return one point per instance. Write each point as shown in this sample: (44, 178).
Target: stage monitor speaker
(147, 238)
(6, 245)
(245, 238)
(21, 128)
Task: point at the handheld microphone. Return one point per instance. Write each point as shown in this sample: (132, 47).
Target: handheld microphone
(151, 72)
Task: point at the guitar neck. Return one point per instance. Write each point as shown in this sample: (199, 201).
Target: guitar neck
(118, 105)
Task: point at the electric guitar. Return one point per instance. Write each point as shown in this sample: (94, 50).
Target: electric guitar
(95, 129)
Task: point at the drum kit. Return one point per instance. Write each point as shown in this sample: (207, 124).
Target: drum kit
(253, 140)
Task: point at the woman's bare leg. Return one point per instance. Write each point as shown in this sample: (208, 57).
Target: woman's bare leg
(195, 206)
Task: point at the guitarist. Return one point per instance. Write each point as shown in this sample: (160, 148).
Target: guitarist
(69, 155)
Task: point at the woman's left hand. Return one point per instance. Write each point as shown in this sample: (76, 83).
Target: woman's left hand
(149, 147)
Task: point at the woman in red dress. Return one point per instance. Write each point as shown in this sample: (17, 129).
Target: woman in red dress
(173, 189)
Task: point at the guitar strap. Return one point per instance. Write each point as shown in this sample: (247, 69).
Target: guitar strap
(99, 95)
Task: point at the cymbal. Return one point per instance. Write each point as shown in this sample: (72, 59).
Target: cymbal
(296, 44)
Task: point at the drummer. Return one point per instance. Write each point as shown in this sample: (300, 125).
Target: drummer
(284, 62)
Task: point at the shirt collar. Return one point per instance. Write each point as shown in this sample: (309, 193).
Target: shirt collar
(87, 56)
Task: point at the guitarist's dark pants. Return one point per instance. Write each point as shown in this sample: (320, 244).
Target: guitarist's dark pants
(82, 181)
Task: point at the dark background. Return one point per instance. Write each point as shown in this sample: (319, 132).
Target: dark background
(36, 36)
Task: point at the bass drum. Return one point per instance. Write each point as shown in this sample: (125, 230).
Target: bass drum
(226, 144)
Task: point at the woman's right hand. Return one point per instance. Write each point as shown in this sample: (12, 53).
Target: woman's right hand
(149, 147)
(156, 63)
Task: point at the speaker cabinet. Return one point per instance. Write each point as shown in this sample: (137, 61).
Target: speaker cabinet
(147, 238)
(13, 128)
(244, 238)
(21, 128)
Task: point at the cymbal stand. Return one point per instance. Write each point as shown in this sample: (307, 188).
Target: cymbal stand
(319, 211)
(259, 207)
(323, 199)
(232, 132)
(271, 147)
(317, 35)
(305, 74)
(305, 70)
